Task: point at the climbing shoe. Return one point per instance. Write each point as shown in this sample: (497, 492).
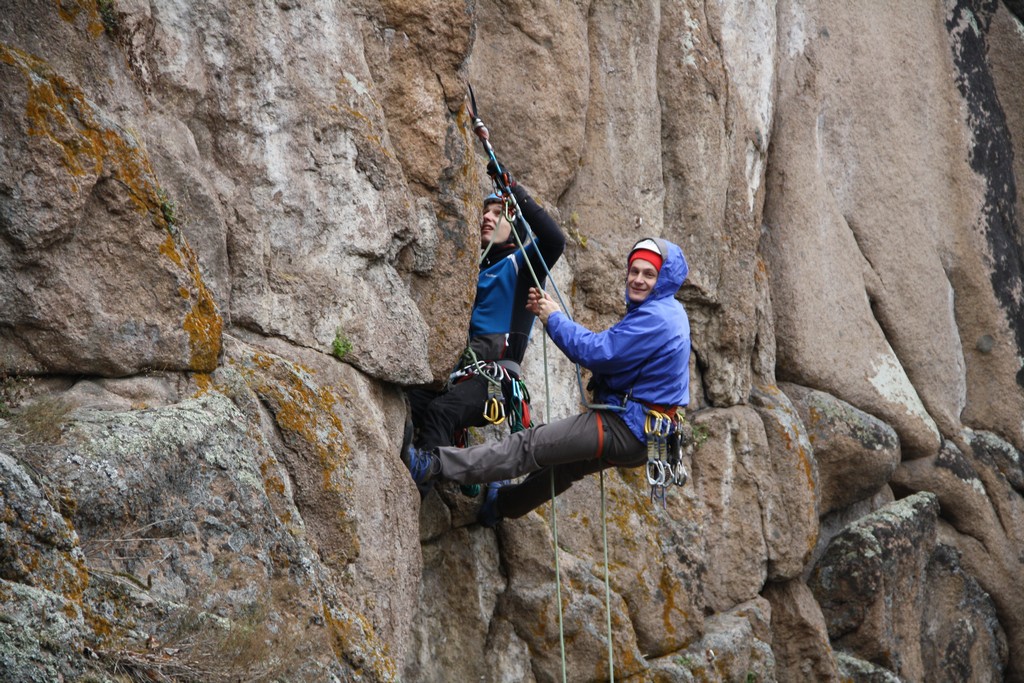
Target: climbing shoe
(423, 466)
(488, 515)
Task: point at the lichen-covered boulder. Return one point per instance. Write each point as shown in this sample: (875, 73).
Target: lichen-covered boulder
(203, 525)
(882, 584)
(870, 584)
(977, 485)
(856, 453)
(208, 514)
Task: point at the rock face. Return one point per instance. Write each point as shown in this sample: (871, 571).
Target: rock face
(831, 210)
(881, 584)
(856, 453)
(982, 507)
(200, 531)
(80, 202)
(800, 634)
(230, 236)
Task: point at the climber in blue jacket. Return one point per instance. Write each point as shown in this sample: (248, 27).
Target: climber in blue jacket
(640, 364)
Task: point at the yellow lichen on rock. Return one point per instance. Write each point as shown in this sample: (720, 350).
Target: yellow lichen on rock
(307, 416)
(355, 641)
(92, 147)
(69, 12)
(203, 323)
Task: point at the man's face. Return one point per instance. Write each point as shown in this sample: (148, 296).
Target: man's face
(493, 226)
(640, 279)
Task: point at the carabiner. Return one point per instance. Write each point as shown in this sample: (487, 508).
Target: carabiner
(510, 215)
(655, 474)
(650, 422)
(494, 411)
(680, 475)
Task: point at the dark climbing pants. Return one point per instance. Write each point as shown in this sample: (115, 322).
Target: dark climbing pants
(569, 449)
(438, 414)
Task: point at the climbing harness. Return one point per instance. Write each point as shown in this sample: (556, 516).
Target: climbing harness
(507, 398)
(664, 452)
(507, 395)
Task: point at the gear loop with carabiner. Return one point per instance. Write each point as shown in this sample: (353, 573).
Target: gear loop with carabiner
(664, 452)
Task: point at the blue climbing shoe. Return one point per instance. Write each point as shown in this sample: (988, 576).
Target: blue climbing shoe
(488, 515)
(423, 466)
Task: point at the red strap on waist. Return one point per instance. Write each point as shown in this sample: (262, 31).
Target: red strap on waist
(670, 411)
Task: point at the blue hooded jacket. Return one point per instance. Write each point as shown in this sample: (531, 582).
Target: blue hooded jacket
(645, 357)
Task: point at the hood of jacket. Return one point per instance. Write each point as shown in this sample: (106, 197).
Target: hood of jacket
(674, 270)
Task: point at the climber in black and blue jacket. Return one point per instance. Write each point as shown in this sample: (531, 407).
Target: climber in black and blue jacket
(500, 324)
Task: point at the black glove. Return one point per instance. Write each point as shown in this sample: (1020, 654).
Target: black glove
(504, 179)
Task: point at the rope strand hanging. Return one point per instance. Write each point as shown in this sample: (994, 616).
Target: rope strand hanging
(502, 186)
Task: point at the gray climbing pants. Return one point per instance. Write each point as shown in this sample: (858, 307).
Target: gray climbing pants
(567, 449)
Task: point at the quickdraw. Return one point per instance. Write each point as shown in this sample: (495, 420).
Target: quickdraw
(665, 465)
(494, 407)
